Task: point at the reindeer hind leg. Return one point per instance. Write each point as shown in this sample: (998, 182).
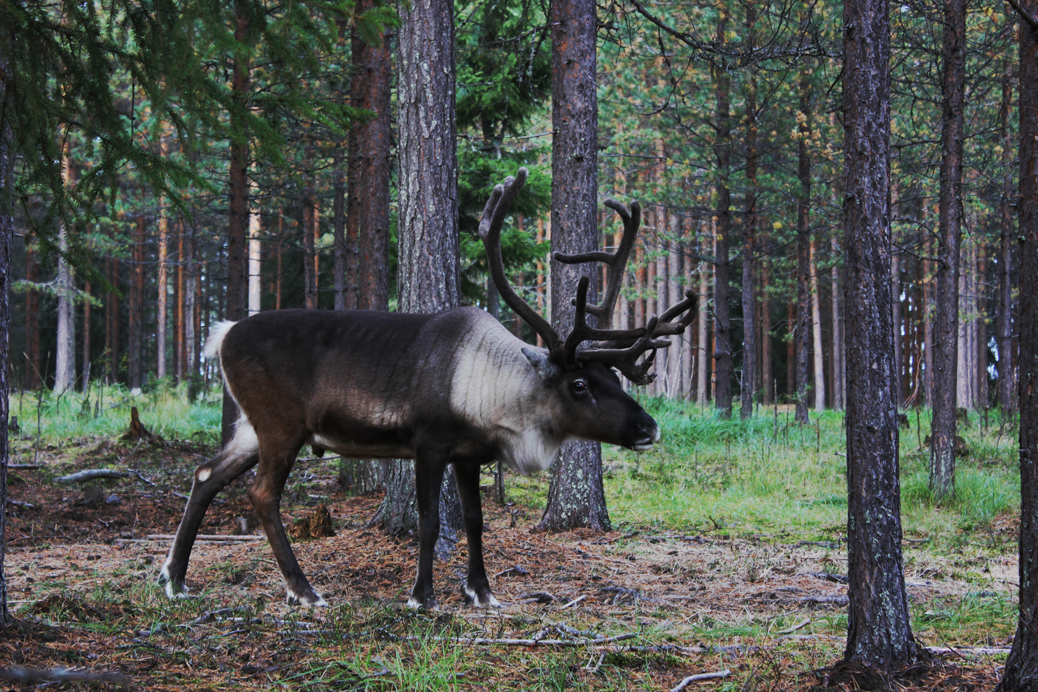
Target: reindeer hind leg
(237, 457)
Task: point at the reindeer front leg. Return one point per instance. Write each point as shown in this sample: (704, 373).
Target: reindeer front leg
(477, 586)
(429, 467)
(275, 464)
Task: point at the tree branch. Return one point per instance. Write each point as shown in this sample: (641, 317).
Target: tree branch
(1024, 14)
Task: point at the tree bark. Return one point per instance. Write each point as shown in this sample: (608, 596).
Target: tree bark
(946, 321)
(112, 322)
(6, 238)
(722, 318)
(816, 328)
(238, 219)
(703, 356)
(65, 286)
(135, 370)
(879, 636)
(1004, 310)
(255, 282)
(162, 305)
(309, 228)
(837, 398)
(370, 145)
(803, 315)
(429, 271)
(32, 316)
(749, 293)
(576, 495)
(1021, 671)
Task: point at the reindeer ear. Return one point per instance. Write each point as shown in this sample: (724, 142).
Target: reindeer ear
(542, 364)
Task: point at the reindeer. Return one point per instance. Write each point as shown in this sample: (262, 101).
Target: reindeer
(454, 387)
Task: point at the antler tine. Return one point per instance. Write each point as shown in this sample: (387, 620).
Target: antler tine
(668, 328)
(583, 332)
(494, 214)
(615, 261)
(626, 359)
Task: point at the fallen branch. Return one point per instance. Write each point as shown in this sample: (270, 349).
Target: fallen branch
(826, 600)
(794, 628)
(27, 676)
(968, 650)
(92, 475)
(701, 676)
(574, 602)
(487, 641)
(213, 538)
(18, 503)
(25, 466)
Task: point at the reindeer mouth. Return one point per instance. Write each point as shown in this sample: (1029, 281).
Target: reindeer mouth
(643, 445)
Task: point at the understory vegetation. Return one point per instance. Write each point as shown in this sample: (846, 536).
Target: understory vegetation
(727, 553)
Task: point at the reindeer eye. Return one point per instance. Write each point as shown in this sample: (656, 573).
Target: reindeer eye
(579, 387)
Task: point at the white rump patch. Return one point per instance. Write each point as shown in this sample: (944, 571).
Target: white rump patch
(216, 337)
(244, 443)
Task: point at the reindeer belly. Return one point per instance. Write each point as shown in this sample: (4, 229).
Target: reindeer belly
(365, 447)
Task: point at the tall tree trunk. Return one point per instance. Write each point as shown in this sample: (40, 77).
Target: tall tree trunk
(803, 323)
(341, 251)
(309, 228)
(189, 328)
(366, 250)
(837, 398)
(673, 297)
(576, 495)
(369, 168)
(895, 289)
(1004, 310)
(816, 327)
(928, 313)
(238, 219)
(1021, 671)
(879, 635)
(703, 355)
(723, 151)
(85, 384)
(112, 321)
(6, 238)
(749, 293)
(255, 284)
(162, 304)
(429, 273)
(32, 313)
(942, 428)
(767, 364)
(65, 359)
(136, 317)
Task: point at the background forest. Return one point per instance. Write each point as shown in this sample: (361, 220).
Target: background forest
(723, 121)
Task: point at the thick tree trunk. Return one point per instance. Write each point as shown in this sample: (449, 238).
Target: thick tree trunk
(576, 496)
(723, 150)
(803, 314)
(429, 273)
(369, 168)
(1021, 671)
(879, 635)
(943, 428)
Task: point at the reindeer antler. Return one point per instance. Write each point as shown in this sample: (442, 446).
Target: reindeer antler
(490, 232)
(619, 348)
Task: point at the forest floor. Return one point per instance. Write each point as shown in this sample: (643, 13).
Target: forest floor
(620, 610)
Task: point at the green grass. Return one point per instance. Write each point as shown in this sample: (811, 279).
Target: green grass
(104, 411)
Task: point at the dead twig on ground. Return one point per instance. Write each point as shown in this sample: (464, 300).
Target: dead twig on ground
(717, 675)
(92, 475)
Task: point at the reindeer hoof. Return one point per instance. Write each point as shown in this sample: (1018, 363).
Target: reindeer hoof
(415, 604)
(482, 598)
(174, 588)
(309, 598)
